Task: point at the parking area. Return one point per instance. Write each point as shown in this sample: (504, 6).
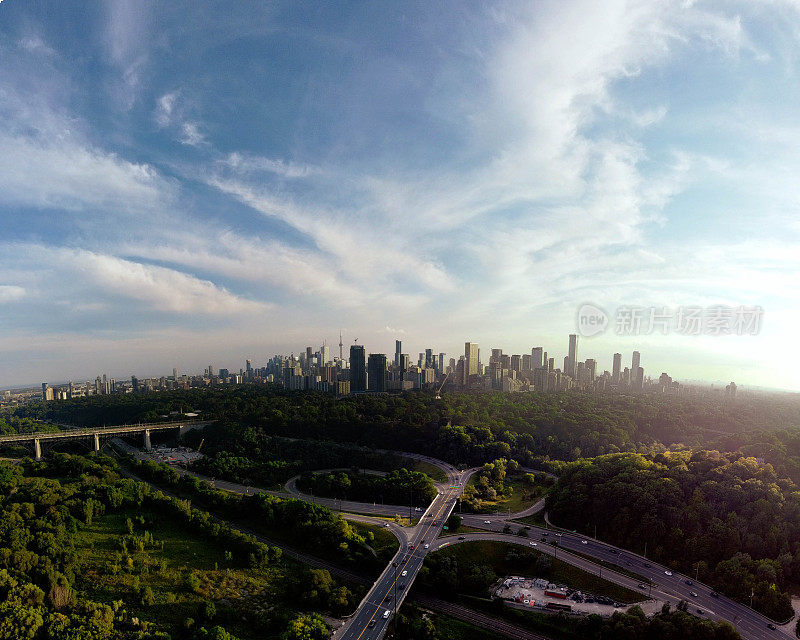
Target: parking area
(174, 455)
(542, 595)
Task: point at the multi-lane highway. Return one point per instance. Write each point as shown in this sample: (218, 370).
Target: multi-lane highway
(371, 620)
(375, 613)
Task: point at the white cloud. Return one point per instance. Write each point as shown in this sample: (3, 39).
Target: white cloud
(191, 135)
(164, 108)
(11, 293)
(246, 163)
(161, 288)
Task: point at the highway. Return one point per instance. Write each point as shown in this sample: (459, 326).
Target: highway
(670, 588)
(370, 621)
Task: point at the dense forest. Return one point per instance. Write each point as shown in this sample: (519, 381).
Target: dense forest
(708, 483)
(400, 486)
(724, 515)
(83, 557)
(474, 428)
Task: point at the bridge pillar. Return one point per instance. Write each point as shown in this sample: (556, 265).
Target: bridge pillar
(37, 448)
(96, 442)
(147, 440)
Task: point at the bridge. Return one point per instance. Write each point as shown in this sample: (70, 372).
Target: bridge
(37, 439)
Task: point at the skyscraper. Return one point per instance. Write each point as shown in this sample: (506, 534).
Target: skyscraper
(470, 359)
(358, 371)
(398, 349)
(377, 372)
(536, 357)
(324, 355)
(428, 358)
(573, 355)
(635, 361)
(617, 368)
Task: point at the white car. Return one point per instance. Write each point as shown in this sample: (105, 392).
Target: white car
(584, 542)
(417, 509)
(386, 614)
(427, 546)
(533, 544)
(558, 534)
(405, 573)
(386, 524)
(668, 573)
(487, 522)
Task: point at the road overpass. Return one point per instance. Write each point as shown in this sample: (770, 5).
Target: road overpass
(94, 435)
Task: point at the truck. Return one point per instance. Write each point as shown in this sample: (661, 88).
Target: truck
(556, 594)
(557, 606)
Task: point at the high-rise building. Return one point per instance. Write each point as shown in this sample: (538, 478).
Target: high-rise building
(175, 373)
(471, 358)
(591, 369)
(45, 388)
(398, 350)
(527, 362)
(573, 355)
(516, 363)
(635, 361)
(536, 357)
(440, 364)
(405, 362)
(324, 355)
(616, 371)
(377, 372)
(428, 358)
(358, 370)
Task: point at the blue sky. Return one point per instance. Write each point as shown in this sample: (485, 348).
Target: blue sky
(188, 183)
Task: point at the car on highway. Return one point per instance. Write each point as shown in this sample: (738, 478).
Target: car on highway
(689, 582)
(417, 509)
(386, 614)
(647, 566)
(700, 611)
(558, 534)
(641, 586)
(668, 572)
(462, 537)
(411, 547)
(371, 624)
(405, 573)
(771, 626)
(435, 522)
(487, 522)
(388, 598)
(533, 544)
(427, 546)
(386, 524)
(584, 542)
(714, 594)
(693, 594)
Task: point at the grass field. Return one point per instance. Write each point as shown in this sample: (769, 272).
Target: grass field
(523, 496)
(506, 559)
(384, 542)
(108, 573)
(434, 472)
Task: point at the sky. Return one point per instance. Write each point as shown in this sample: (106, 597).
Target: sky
(194, 183)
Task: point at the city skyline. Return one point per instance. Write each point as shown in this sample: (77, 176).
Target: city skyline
(618, 363)
(184, 183)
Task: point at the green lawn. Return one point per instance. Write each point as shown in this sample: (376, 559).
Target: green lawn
(523, 496)
(434, 472)
(107, 574)
(523, 562)
(384, 543)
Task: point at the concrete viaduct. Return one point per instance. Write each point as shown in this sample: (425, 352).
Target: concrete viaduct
(37, 439)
